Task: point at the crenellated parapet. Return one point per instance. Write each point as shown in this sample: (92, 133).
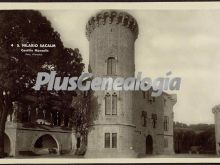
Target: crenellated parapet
(171, 97)
(112, 17)
(216, 109)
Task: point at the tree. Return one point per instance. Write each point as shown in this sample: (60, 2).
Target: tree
(194, 135)
(18, 71)
(85, 111)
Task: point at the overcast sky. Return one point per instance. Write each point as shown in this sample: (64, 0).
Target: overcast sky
(185, 42)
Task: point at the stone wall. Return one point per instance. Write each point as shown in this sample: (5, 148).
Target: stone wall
(124, 141)
(143, 104)
(23, 139)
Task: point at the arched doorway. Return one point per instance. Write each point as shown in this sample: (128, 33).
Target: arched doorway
(7, 145)
(46, 144)
(149, 144)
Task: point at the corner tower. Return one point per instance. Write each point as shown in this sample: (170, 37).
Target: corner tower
(216, 112)
(111, 35)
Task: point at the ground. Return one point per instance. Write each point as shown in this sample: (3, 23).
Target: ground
(147, 156)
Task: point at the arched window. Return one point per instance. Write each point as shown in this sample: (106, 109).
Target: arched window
(114, 104)
(111, 66)
(111, 104)
(108, 104)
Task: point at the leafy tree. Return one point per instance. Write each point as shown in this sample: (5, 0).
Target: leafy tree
(200, 135)
(206, 139)
(18, 71)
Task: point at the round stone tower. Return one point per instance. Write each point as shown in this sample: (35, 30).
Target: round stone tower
(216, 111)
(111, 35)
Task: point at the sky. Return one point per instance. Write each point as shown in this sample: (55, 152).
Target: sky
(185, 42)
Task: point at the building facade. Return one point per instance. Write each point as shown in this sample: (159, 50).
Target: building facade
(125, 123)
(37, 132)
(128, 123)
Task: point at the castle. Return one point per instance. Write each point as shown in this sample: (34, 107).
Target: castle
(128, 123)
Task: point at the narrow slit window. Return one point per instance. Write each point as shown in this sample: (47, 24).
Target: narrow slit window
(144, 118)
(114, 140)
(166, 123)
(154, 120)
(114, 104)
(107, 140)
(107, 104)
(111, 66)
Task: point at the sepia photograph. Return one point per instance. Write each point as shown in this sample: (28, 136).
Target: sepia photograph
(106, 82)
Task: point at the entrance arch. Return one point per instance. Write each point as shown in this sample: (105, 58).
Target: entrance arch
(7, 144)
(45, 144)
(149, 144)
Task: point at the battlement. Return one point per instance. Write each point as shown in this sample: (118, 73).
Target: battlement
(112, 17)
(216, 109)
(171, 97)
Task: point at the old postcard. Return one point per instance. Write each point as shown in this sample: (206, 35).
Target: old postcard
(87, 81)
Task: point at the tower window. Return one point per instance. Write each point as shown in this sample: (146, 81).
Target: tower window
(85, 94)
(114, 104)
(108, 104)
(107, 140)
(110, 140)
(166, 123)
(154, 120)
(114, 140)
(164, 101)
(144, 118)
(153, 99)
(150, 98)
(111, 66)
(111, 104)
